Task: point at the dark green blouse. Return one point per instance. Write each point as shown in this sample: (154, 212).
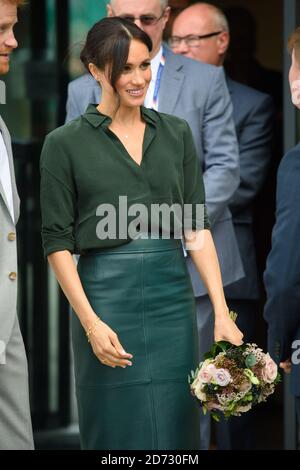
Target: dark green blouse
(84, 164)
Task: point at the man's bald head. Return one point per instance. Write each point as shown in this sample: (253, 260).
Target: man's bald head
(205, 12)
(202, 19)
(135, 9)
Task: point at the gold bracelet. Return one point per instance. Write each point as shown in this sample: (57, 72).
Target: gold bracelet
(91, 329)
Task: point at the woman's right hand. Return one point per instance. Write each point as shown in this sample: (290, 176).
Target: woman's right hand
(107, 347)
(226, 329)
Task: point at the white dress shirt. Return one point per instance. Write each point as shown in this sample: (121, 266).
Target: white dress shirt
(148, 103)
(5, 177)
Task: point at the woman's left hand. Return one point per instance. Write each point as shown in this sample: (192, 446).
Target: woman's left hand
(226, 330)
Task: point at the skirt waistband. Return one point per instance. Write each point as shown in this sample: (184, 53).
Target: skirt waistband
(137, 246)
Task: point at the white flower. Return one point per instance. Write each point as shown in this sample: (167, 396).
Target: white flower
(196, 387)
(243, 408)
(200, 394)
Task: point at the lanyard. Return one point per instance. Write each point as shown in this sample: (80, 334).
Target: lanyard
(158, 79)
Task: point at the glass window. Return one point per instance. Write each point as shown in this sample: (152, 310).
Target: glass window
(83, 15)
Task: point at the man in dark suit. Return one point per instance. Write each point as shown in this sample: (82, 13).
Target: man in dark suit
(282, 275)
(201, 32)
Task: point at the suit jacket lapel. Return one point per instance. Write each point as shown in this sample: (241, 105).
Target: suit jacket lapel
(171, 84)
(16, 200)
(2, 193)
(229, 84)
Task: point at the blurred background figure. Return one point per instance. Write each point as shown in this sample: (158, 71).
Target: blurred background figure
(201, 32)
(176, 6)
(282, 275)
(242, 65)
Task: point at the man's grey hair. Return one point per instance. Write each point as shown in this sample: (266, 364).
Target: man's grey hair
(220, 19)
(163, 3)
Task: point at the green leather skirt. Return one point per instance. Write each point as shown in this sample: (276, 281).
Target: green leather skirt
(142, 290)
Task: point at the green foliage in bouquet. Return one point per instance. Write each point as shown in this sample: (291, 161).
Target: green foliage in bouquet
(233, 379)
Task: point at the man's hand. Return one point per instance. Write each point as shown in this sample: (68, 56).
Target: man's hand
(286, 366)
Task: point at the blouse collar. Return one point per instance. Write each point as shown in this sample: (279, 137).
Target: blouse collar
(96, 119)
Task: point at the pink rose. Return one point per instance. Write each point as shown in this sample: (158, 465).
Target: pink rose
(207, 373)
(270, 369)
(222, 377)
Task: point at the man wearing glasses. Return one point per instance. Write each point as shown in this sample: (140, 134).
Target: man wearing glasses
(197, 93)
(201, 32)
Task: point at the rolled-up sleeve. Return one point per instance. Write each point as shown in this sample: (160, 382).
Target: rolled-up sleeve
(194, 193)
(58, 198)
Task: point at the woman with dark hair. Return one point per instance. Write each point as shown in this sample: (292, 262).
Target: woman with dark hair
(131, 289)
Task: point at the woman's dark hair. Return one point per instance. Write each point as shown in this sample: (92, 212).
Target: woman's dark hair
(108, 43)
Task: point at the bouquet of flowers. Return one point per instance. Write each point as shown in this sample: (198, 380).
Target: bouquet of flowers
(233, 379)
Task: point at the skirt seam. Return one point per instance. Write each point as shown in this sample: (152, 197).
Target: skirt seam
(129, 384)
(127, 252)
(154, 421)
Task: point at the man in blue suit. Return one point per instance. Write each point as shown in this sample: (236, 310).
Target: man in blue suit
(197, 93)
(201, 32)
(282, 275)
